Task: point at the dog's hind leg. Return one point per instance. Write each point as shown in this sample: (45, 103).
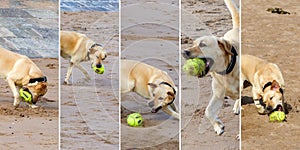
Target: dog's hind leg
(83, 71)
(70, 68)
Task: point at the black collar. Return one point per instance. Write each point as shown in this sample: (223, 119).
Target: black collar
(168, 84)
(40, 79)
(232, 62)
(270, 84)
(96, 44)
(88, 52)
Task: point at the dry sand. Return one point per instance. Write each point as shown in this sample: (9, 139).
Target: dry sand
(27, 128)
(198, 19)
(90, 108)
(150, 37)
(274, 38)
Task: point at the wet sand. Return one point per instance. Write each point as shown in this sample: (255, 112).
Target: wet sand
(198, 19)
(150, 37)
(90, 108)
(274, 38)
(27, 128)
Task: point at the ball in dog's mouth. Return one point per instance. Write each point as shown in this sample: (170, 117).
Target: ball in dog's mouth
(198, 66)
(98, 70)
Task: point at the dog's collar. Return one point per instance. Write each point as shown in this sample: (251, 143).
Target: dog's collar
(95, 44)
(168, 84)
(88, 52)
(40, 79)
(270, 84)
(232, 62)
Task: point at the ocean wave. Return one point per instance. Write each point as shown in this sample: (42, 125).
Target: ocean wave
(89, 5)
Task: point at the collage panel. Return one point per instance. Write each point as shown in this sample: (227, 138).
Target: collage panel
(29, 84)
(210, 74)
(270, 60)
(89, 44)
(149, 76)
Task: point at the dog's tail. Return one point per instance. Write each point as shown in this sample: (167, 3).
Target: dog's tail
(234, 11)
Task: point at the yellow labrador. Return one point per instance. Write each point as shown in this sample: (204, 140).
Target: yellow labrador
(267, 83)
(151, 83)
(222, 62)
(77, 48)
(20, 72)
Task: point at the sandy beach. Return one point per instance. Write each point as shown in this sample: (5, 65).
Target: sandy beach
(274, 38)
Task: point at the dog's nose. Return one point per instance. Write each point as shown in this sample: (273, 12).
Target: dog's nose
(99, 65)
(187, 52)
(269, 108)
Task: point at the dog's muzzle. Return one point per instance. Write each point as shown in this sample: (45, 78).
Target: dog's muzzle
(155, 110)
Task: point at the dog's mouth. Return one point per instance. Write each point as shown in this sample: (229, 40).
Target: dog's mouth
(278, 108)
(208, 64)
(155, 110)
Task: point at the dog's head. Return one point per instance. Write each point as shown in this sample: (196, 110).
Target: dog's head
(37, 89)
(214, 51)
(163, 93)
(273, 97)
(97, 54)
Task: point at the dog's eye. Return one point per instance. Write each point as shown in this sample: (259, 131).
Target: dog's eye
(202, 44)
(97, 57)
(160, 98)
(271, 98)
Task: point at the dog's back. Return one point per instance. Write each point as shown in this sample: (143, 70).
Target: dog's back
(252, 66)
(13, 62)
(70, 43)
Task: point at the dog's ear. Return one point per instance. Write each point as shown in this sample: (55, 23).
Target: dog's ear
(225, 46)
(170, 93)
(92, 51)
(275, 85)
(152, 85)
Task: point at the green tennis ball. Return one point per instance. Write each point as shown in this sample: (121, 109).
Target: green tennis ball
(25, 95)
(135, 120)
(277, 116)
(98, 70)
(194, 67)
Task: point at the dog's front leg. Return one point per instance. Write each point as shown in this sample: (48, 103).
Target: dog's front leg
(83, 71)
(13, 88)
(211, 111)
(257, 98)
(215, 104)
(236, 107)
(70, 68)
(170, 112)
(173, 107)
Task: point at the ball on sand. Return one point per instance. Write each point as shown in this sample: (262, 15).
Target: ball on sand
(98, 70)
(277, 116)
(135, 120)
(194, 67)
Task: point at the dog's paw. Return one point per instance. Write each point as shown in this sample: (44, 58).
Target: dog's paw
(219, 131)
(16, 103)
(66, 83)
(236, 111)
(237, 137)
(33, 106)
(219, 128)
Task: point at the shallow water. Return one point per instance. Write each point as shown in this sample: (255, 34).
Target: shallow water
(89, 5)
